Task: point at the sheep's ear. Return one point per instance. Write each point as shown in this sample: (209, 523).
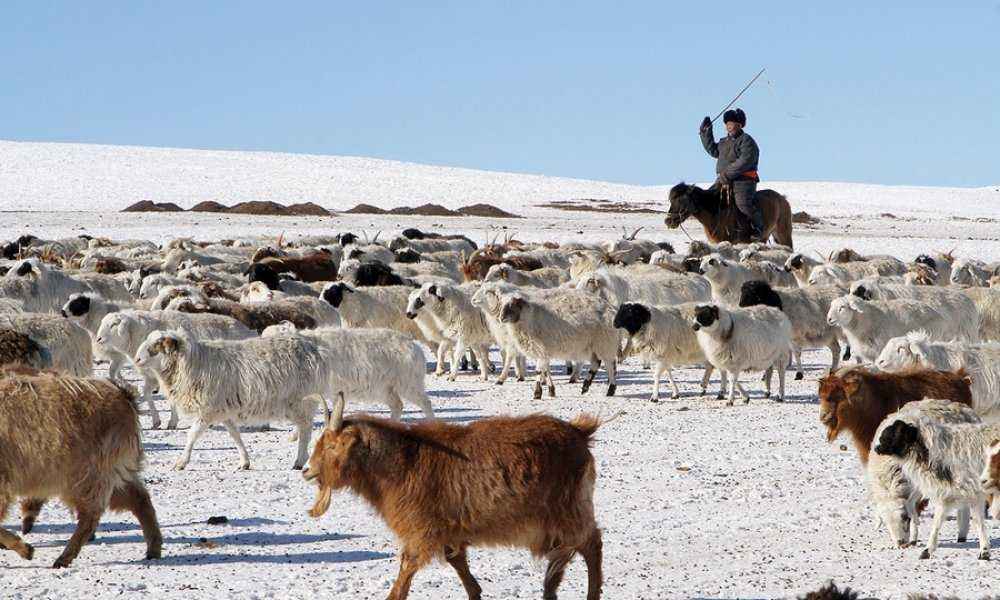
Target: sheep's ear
(170, 344)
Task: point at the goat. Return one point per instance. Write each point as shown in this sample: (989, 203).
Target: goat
(373, 364)
(945, 462)
(742, 339)
(264, 273)
(436, 487)
(972, 272)
(651, 285)
(546, 277)
(845, 273)
(362, 274)
(317, 266)
(231, 382)
(304, 312)
(452, 309)
(916, 350)
(488, 299)
(68, 345)
(806, 309)
(475, 267)
(957, 307)
(77, 439)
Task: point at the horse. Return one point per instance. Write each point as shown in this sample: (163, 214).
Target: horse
(719, 217)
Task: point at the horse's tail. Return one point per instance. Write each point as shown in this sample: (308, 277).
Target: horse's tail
(783, 223)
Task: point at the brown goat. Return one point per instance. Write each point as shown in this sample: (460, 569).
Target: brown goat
(17, 348)
(478, 264)
(110, 266)
(318, 266)
(526, 482)
(857, 399)
(257, 316)
(75, 438)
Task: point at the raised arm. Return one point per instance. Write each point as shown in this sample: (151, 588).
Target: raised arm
(708, 138)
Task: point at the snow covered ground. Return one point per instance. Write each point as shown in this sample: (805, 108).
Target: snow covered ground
(696, 499)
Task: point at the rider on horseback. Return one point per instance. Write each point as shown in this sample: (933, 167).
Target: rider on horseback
(736, 167)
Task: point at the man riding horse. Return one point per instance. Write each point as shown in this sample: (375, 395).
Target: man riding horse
(736, 169)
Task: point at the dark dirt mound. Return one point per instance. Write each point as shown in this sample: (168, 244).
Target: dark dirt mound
(150, 206)
(804, 218)
(602, 206)
(260, 207)
(210, 206)
(425, 210)
(365, 209)
(486, 210)
(308, 209)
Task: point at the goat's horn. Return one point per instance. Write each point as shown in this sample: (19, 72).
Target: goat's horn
(326, 414)
(337, 420)
(377, 233)
(281, 239)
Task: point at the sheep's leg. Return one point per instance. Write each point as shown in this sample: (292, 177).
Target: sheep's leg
(149, 382)
(458, 559)
(30, 507)
(134, 498)
(781, 379)
(911, 509)
(395, 406)
(940, 511)
(551, 381)
(115, 366)
(304, 429)
(506, 355)
(457, 355)
(962, 517)
(657, 373)
(847, 351)
(408, 567)
(733, 382)
(197, 428)
(706, 377)
(520, 366)
(86, 524)
(834, 347)
(573, 370)
(540, 368)
(11, 541)
(482, 354)
(174, 418)
(595, 365)
(612, 368)
(442, 351)
(592, 551)
(799, 373)
(425, 405)
(234, 432)
(767, 381)
(558, 559)
(984, 534)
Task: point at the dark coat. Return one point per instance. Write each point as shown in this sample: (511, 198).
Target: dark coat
(737, 154)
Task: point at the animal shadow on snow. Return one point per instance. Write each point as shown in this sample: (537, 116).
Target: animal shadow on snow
(215, 558)
(113, 526)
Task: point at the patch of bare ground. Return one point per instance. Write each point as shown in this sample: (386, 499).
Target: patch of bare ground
(603, 206)
(150, 206)
(804, 218)
(255, 207)
(435, 210)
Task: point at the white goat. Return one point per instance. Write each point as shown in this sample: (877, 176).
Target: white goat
(972, 272)
(734, 340)
(945, 462)
(67, 343)
(234, 382)
(460, 321)
(651, 285)
(488, 299)
(546, 277)
(980, 361)
(372, 364)
(119, 335)
(957, 307)
(845, 273)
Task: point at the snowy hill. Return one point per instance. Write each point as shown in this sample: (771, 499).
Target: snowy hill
(90, 177)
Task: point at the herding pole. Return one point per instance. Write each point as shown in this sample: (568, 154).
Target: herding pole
(733, 101)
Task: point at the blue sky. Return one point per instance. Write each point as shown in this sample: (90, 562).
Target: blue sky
(883, 92)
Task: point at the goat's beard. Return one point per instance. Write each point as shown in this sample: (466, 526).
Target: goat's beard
(322, 502)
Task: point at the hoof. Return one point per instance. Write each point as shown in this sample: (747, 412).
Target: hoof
(767, 396)
(925, 554)
(520, 378)
(28, 552)
(654, 399)
(499, 382)
(243, 467)
(27, 524)
(721, 396)
(296, 467)
(611, 389)
(538, 394)
(962, 540)
(179, 466)
(676, 396)
(62, 563)
(552, 391)
(728, 402)
(984, 555)
(153, 554)
(799, 376)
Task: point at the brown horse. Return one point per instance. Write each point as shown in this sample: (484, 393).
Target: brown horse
(719, 217)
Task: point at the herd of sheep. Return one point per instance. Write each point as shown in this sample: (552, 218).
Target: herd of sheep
(240, 332)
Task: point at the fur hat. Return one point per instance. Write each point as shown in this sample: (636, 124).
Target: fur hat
(735, 115)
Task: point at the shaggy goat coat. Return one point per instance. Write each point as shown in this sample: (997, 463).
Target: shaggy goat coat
(68, 345)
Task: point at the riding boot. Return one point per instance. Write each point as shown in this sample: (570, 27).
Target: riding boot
(757, 226)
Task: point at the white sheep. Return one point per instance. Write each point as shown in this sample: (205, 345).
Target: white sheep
(868, 325)
(956, 306)
(87, 311)
(432, 244)
(987, 303)
(845, 273)
(664, 334)
(807, 309)
(894, 497)
(378, 306)
(757, 338)
(546, 277)
(563, 323)
(120, 333)
(151, 285)
(800, 266)
(51, 287)
(972, 272)
(68, 344)
(461, 322)
(945, 462)
(236, 382)
(378, 365)
(980, 361)
(649, 285)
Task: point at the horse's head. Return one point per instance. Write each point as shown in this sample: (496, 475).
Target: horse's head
(682, 204)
